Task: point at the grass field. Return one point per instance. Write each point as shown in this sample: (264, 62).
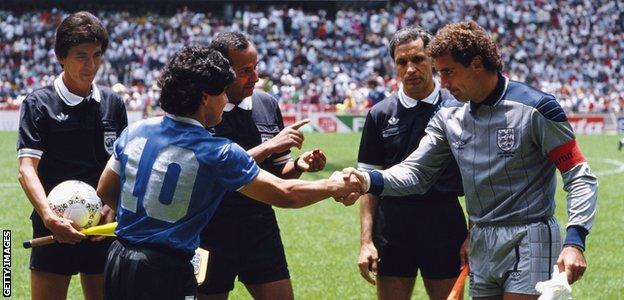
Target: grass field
(322, 241)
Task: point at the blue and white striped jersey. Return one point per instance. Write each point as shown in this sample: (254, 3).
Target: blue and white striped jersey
(174, 174)
(507, 150)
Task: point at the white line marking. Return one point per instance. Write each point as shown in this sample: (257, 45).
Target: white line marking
(618, 170)
(619, 167)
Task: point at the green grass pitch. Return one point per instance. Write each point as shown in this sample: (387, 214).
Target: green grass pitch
(322, 241)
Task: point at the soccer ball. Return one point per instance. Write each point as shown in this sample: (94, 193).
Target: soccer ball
(77, 201)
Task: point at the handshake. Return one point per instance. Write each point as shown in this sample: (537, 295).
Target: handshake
(350, 184)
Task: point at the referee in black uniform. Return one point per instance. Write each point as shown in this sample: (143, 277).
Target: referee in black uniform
(67, 132)
(243, 236)
(403, 235)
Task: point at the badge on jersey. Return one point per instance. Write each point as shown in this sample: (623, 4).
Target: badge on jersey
(109, 140)
(266, 136)
(506, 138)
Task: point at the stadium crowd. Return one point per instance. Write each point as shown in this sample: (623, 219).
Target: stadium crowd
(572, 49)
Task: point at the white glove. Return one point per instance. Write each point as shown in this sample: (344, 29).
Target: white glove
(557, 288)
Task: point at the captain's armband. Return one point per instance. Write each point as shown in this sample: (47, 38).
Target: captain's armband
(566, 156)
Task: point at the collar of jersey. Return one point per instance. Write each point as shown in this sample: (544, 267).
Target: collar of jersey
(184, 120)
(245, 104)
(70, 98)
(410, 102)
(496, 96)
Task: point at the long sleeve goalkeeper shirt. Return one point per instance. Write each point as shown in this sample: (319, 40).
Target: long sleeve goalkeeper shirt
(507, 149)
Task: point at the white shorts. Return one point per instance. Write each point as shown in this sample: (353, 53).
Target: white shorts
(512, 258)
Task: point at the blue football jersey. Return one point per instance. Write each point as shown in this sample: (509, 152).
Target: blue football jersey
(174, 174)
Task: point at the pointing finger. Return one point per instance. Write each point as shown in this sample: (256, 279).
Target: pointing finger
(297, 125)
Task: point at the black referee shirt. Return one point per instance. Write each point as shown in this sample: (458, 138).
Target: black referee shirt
(73, 138)
(392, 132)
(255, 120)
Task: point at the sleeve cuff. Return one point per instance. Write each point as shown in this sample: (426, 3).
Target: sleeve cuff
(114, 165)
(282, 159)
(575, 236)
(376, 183)
(368, 167)
(28, 152)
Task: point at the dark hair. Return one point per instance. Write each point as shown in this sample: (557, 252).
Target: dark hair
(464, 41)
(409, 34)
(78, 28)
(192, 71)
(225, 41)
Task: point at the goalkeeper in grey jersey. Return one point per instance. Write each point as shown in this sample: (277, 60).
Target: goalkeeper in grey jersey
(508, 138)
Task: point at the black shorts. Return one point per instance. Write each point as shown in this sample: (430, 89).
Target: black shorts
(86, 257)
(250, 248)
(147, 272)
(425, 236)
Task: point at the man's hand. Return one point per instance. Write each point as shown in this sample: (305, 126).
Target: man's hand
(349, 189)
(288, 138)
(464, 252)
(312, 161)
(360, 177)
(368, 262)
(64, 230)
(572, 261)
(108, 216)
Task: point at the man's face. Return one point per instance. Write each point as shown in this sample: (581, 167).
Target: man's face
(244, 63)
(214, 108)
(414, 67)
(81, 65)
(461, 81)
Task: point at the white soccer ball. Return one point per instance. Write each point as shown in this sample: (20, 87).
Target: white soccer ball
(77, 201)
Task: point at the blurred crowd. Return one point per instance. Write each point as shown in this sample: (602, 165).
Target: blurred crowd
(572, 49)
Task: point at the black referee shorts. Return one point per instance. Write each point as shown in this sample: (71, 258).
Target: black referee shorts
(424, 235)
(86, 257)
(250, 248)
(147, 272)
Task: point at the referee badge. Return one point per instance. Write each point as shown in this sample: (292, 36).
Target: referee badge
(506, 138)
(109, 140)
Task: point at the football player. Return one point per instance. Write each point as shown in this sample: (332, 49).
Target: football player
(168, 175)
(508, 139)
(394, 244)
(243, 236)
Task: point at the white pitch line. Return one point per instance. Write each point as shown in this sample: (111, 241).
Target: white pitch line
(617, 163)
(9, 184)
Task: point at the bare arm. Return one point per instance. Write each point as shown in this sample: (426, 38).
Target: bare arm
(464, 250)
(309, 161)
(295, 193)
(62, 228)
(286, 139)
(367, 261)
(109, 188)
(29, 180)
(261, 152)
(368, 205)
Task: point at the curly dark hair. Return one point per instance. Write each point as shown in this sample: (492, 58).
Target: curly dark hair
(190, 72)
(464, 41)
(225, 41)
(409, 34)
(78, 28)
